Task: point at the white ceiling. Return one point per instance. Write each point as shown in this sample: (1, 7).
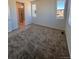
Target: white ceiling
(20, 1)
(32, 0)
(24, 0)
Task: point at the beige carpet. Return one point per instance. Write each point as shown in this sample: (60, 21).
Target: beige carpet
(38, 42)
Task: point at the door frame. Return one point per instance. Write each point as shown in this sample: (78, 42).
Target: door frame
(18, 13)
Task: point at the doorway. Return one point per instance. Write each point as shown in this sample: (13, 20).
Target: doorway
(20, 15)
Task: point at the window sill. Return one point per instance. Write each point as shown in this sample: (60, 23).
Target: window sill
(59, 17)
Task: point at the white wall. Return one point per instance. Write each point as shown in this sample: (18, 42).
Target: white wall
(12, 21)
(28, 16)
(68, 35)
(68, 26)
(46, 14)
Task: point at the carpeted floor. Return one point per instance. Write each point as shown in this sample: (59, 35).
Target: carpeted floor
(38, 42)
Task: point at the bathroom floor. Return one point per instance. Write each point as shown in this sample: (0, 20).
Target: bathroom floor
(38, 42)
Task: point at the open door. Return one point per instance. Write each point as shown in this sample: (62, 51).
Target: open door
(20, 13)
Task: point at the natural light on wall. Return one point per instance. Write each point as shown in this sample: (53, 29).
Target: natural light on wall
(33, 10)
(60, 9)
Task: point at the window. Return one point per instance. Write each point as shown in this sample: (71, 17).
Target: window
(33, 10)
(60, 9)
